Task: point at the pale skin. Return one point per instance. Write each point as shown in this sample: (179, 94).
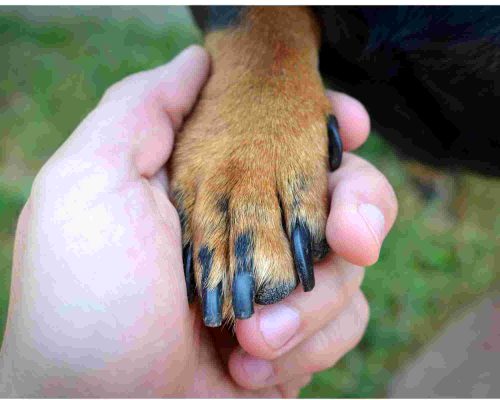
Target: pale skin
(98, 300)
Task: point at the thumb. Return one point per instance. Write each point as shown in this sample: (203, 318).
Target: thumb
(131, 132)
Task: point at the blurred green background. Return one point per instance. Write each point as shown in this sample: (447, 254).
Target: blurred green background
(57, 62)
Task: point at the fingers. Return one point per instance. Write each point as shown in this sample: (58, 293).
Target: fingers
(177, 87)
(319, 352)
(363, 209)
(277, 328)
(352, 118)
(130, 134)
(363, 203)
(151, 105)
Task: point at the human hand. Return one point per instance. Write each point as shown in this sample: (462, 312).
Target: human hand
(98, 301)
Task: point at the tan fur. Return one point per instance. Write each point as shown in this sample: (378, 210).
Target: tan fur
(256, 137)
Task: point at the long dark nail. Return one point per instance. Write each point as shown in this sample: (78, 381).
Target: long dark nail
(243, 283)
(187, 257)
(335, 147)
(211, 298)
(302, 254)
(243, 294)
(212, 306)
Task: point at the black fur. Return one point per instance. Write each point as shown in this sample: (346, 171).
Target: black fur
(243, 250)
(216, 17)
(244, 283)
(211, 298)
(428, 75)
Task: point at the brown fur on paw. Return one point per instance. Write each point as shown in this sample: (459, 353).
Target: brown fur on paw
(249, 176)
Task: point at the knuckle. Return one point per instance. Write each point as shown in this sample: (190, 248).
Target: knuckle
(343, 291)
(387, 190)
(292, 388)
(351, 275)
(388, 197)
(339, 287)
(323, 342)
(117, 89)
(322, 348)
(373, 183)
(355, 162)
(342, 294)
(341, 336)
(47, 178)
(392, 199)
(318, 366)
(361, 316)
(363, 310)
(113, 89)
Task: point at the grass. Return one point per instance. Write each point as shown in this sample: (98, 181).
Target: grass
(56, 68)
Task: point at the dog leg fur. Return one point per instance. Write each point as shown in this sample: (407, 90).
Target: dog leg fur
(249, 170)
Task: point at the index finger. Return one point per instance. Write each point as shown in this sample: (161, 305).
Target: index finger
(275, 329)
(353, 119)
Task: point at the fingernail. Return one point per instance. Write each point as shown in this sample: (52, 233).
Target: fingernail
(258, 370)
(374, 219)
(278, 323)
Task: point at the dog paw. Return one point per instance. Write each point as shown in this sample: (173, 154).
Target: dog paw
(248, 177)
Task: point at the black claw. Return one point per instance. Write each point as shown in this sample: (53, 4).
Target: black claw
(212, 306)
(211, 298)
(187, 257)
(243, 283)
(302, 254)
(243, 294)
(335, 147)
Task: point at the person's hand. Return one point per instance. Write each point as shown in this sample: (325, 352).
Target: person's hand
(98, 300)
